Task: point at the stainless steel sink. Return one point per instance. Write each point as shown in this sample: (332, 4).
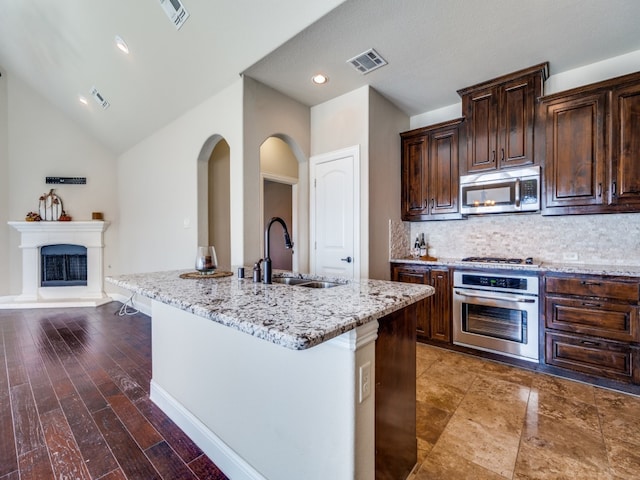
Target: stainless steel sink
(303, 282)
(317, 284)
(289, 280)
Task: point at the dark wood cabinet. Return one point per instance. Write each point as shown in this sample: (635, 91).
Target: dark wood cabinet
(625, 109)
(433, 313)
(439, 314)
(395, 395)
(592, 326)
(500, 117)
(592, 153)
(430, 175)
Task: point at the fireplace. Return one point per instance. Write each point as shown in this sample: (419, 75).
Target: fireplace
(62, 264)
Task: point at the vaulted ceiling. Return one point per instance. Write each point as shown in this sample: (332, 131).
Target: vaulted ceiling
(433, 47)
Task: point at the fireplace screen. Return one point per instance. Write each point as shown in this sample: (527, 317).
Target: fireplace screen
(63, 265)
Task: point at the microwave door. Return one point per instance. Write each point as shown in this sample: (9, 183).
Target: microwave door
(489, 198)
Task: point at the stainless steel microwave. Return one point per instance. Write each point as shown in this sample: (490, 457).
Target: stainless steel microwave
(505, 191)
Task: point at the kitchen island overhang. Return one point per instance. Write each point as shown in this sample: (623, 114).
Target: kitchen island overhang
(266, 378)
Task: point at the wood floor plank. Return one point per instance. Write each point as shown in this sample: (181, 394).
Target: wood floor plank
(66, 460)
(176, 438)
(138, 426)
(8, 456)
(205, 469)
(131, 458)
(35, 464)
(168, 463)
(15, 475)
(91, 442)
(43, 391)
(114, 475)
(26, 424)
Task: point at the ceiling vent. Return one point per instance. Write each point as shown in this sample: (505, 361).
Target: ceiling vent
(100, 100)
(175, 11)
(367, 61)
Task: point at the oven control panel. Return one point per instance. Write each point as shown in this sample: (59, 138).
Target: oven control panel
(496, 282)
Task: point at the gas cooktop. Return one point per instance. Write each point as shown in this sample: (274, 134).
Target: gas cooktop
(515, 261)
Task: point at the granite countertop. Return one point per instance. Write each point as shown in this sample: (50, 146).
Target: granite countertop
(542, 267)
(291, 316)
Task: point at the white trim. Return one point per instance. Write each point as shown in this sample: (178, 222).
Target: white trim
(315, 160)
(358, 337)
(219, 452)
(17, 302)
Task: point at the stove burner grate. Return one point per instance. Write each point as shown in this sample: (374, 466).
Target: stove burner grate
(497, 260)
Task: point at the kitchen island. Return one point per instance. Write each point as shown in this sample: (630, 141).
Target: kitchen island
(287, 382)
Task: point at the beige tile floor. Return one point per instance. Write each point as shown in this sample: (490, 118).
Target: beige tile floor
(479, 420)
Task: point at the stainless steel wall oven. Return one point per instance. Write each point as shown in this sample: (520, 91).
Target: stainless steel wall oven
(496, 313)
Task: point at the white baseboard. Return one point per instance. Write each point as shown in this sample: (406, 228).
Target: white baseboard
(232, 465)
(16, 302)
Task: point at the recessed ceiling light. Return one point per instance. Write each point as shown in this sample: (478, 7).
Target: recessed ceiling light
(122, 45)
(83, 100)
(319, 79)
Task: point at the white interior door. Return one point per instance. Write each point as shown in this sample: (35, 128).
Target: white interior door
(335, 219)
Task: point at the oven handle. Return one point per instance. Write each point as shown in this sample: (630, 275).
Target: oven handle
(513, 299)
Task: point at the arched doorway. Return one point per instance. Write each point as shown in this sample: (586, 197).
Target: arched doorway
(279, 178)
(214, 191)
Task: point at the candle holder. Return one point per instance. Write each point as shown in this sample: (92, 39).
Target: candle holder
(206, 260)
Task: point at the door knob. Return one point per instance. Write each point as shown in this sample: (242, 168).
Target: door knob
(348, 259)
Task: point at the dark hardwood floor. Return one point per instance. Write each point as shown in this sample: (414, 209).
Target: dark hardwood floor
(74, 400)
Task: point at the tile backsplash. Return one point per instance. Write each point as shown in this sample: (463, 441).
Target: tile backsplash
(589, 239)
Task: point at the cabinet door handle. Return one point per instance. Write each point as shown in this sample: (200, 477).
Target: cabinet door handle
(585, 304)
(433, 203)
(348, 259)
(502, 154)
(613, 189)
(590, 344)
(493, 156)
(591, 284)
(599, 189)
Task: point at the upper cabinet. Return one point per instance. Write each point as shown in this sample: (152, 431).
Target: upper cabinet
(500, 116)
(592, 148)
(430, 174)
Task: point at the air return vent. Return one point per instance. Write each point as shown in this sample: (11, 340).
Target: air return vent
(100, 100)
(175, 11)
(367, 61)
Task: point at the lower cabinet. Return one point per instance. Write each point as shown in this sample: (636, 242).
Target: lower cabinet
(592, 326)
(434, 313)
(395, 395)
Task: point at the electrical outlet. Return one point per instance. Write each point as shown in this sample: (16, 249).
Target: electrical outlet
(365, 381)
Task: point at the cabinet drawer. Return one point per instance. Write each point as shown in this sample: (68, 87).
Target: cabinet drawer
(600, 358)
(593, 287)
(614, 321)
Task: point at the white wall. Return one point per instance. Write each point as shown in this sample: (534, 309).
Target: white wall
(269, 113)
(340, 123)
(4, 186)
(43, 142)
(386, 121)
(157, 187)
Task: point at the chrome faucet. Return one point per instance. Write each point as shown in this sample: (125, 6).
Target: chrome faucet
(287, 243)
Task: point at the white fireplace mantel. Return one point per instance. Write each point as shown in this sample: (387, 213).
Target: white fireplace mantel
(33, 236)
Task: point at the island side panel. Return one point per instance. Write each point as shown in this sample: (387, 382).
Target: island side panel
(262, 410)
(396, 442)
